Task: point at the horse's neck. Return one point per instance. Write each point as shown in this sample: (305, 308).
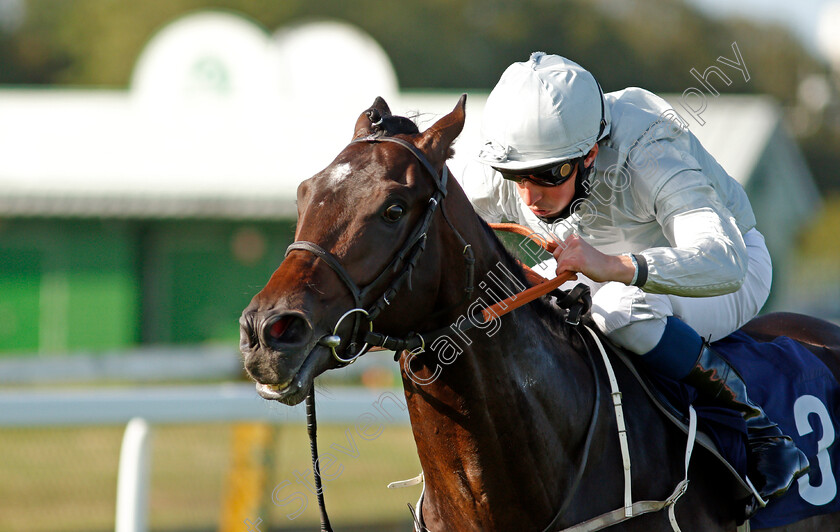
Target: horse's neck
(496, 411)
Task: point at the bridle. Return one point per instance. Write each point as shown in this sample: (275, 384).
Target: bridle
(406, 257)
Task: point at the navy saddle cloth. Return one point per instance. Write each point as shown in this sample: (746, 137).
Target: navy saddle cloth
(800, 394)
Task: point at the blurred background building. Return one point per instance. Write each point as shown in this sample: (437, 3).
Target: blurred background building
(150, 152)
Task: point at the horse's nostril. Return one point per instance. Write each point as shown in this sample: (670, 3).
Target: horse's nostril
(279, 327)
(287, 329)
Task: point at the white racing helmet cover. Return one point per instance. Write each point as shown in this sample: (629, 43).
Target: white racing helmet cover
(542, 111)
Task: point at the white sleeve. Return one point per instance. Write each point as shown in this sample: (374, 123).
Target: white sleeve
(708, 256)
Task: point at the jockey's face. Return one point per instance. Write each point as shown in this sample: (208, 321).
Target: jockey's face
(549, 201)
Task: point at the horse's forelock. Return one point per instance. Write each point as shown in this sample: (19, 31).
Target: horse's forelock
(395, 125)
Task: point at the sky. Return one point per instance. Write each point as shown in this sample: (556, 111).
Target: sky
(801, 16)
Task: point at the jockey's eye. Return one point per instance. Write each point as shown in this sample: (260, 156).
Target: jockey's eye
(393, 212)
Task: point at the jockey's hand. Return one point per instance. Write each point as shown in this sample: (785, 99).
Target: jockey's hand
(576, 255)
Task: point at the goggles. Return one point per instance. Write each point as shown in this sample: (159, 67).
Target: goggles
(546, 176)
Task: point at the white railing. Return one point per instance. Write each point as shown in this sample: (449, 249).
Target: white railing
(141, 407)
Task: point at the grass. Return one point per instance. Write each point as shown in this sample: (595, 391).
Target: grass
(64, 479)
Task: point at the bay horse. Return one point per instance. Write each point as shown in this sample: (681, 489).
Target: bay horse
(501, 416)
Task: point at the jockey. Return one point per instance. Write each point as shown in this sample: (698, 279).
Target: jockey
(663, 236)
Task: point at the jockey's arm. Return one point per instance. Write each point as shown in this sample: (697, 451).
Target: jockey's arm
(707, 256)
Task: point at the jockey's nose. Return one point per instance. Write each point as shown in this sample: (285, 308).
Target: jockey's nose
(529, 192)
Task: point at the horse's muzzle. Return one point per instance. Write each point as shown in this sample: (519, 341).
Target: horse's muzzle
(273, 344)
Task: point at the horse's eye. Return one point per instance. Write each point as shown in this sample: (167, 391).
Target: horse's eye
(393, 212)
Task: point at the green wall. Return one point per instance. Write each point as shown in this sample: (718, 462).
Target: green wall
(66, 285)
(91, 285)
(198, 276)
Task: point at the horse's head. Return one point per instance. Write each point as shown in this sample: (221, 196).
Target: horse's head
(363, 226)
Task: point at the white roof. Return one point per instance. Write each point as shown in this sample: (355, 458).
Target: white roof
(102, 153)
(223, 120)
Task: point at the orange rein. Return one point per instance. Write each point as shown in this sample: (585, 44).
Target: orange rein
(541, 287)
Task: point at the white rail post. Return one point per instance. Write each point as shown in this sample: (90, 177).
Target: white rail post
(133, 478)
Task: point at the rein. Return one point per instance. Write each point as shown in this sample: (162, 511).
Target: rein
(542, 286)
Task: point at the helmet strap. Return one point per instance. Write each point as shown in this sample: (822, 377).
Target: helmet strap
(581, 192)
(602, 125)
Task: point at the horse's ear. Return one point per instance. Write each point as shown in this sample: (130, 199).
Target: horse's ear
(371, 117)
(436, 140)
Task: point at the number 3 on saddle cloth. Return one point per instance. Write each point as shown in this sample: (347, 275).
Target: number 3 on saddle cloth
(799, 393)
